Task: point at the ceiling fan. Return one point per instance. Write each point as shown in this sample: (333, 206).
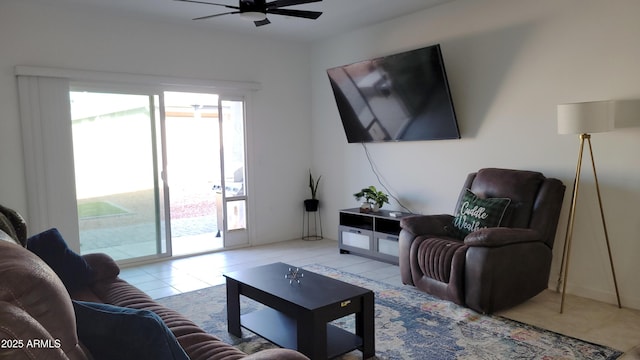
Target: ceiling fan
(257, 10)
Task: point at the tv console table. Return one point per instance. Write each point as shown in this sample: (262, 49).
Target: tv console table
(371, 234)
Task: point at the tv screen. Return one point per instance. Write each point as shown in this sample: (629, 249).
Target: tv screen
(400, 97)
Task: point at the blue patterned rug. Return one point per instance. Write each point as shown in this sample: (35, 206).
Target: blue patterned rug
(409, 324)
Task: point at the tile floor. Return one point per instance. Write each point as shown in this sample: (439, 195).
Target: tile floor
(582, 318)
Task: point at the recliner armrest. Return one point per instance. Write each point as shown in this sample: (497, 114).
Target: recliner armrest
(103, 265)
(427, 224)
(501, 236)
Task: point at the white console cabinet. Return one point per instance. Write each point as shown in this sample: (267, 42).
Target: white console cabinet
(372, 234)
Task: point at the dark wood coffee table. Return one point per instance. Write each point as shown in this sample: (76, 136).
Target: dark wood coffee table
(297, 316)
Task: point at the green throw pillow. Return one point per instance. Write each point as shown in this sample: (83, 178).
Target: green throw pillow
(476, 213)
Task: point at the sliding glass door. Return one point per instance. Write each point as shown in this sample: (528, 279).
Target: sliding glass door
(159, 174)
(205, 152)
(193, 175)
(116, 160)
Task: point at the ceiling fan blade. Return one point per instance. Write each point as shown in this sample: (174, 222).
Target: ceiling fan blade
(296, 13)
(262, 22)
(216, 15)
(283, 3)
(209, 3)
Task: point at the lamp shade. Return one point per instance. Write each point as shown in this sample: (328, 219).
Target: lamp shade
(586, 117)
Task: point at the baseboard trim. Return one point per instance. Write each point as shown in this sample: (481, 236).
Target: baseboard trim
(608, 297)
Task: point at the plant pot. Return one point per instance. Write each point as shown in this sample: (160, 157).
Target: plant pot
(365, 207)
(311, 205)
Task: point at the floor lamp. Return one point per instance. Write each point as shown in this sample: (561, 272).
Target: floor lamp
(583, 119)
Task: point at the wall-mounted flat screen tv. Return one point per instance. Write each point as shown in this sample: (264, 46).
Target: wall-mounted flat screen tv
(400, 97)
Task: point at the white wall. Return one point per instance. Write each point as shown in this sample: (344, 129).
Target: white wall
(509, 63)
(47, 36)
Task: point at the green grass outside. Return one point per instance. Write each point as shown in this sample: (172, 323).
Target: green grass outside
(99, 209)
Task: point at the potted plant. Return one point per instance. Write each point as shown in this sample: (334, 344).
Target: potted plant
(312, 204)
(374, 199)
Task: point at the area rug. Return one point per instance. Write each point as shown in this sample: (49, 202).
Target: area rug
(409, 324)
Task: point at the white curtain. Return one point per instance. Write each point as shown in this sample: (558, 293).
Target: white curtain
(48, 149)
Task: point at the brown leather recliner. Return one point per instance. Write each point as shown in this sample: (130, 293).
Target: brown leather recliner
(491, 268)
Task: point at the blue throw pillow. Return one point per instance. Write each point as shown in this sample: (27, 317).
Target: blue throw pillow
(112, 332)
(71, 268)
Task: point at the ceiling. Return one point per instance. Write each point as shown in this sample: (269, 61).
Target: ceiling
(338, 16)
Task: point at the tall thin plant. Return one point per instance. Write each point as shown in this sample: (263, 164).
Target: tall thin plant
(313, 185)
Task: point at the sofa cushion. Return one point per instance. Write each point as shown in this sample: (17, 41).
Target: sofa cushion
(475, 213)
(113, 332)
(71, 268)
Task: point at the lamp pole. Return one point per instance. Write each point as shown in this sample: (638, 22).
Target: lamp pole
(566, 253)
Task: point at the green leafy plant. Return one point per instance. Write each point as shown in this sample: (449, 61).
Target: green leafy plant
(313, 185)
(372, 196)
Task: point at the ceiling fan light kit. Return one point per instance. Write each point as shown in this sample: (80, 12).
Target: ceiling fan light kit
(257, 10)
(253, 16)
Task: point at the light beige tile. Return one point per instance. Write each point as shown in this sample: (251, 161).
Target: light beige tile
(163, 292)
